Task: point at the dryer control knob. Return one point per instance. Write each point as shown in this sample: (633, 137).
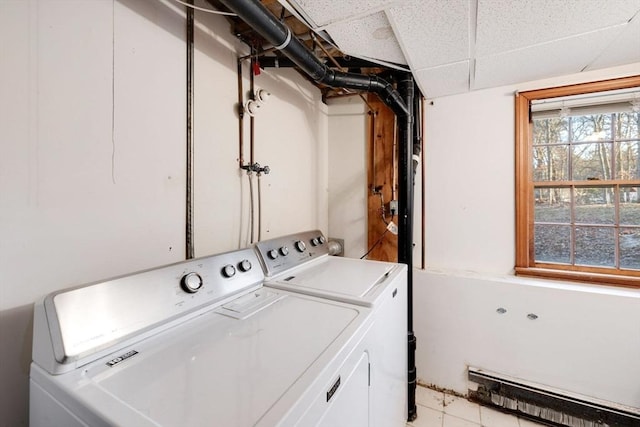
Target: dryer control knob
(191, 282)
(273, 254)
(315, 242)
(284, 251)
(300, 246)
(321, 240)
(228, 271)
(245, 265)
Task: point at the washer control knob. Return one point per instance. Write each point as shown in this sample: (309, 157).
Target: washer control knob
(273, 254)
(321, 240)
(315, 242)
(284, 251)
(228, 271)
(191, 282)
(245, 265)
(300, 246)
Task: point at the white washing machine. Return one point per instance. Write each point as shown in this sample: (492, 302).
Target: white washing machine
(199, 343)
(301, 263)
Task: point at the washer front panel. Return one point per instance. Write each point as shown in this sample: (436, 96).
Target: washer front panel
(218, 370)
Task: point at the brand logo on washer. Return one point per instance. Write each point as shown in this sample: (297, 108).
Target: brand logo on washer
(333, 389)
(113, 362)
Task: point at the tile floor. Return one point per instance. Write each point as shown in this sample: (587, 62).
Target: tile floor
(437, 409)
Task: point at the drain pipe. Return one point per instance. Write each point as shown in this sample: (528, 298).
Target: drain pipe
(279, 35)
(405, 225)
(253, 13)
(280, 62)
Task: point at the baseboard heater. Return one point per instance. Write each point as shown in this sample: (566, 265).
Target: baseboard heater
(549, 406)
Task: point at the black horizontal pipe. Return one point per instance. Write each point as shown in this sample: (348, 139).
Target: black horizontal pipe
(276, 33)
(284, 62)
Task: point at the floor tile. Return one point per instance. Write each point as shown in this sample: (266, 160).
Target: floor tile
(462, 408)
(437, 409)
(451, 421)
(430, 398)
(427, 417)
(493, 418)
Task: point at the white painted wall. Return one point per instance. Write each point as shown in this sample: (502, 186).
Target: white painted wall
(586, 339)
(92, 154)
(348, 132)
(79, 182)
(290, 137)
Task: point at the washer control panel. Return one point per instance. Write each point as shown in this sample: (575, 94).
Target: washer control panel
(152, 297)
(219, 270)
(276, 255)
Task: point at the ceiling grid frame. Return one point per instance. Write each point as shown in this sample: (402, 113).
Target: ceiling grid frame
(457, 46)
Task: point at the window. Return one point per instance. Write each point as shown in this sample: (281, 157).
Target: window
(578, 182)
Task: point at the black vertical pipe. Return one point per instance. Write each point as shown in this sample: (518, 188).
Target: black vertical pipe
(189, 252)
(405, 225)
(420, 118)
(252, 96)
(417, 149)
(240, 116)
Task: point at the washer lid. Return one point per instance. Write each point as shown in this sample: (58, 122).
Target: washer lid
(336, 276)
(222, 371)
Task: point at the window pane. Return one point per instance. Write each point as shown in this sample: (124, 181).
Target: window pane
(552, 243)
(594, 205)
(591, 161)
(550, 131)
(595, 127)
(627, 125)
(595, 246)
(630, 248)
(629, 206)
(627, 165)
(552, 205)
(551, 163)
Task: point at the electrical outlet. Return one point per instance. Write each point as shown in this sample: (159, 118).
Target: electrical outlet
(392, 228)
(393, 207)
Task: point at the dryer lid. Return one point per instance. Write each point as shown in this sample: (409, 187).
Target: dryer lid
(338, 276)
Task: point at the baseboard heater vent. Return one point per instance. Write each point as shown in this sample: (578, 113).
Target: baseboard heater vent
(549, 406)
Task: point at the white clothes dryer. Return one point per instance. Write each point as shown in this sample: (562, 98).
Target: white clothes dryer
(198, 343)
(301, 263)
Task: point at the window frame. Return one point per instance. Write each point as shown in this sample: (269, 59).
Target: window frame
(524, 191)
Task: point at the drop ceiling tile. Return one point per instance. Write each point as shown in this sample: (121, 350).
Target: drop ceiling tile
(370, 36)
(444, 80)
(507, 25)
(432, 32)
(324, 12)
(625, 49)
(566, 56)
